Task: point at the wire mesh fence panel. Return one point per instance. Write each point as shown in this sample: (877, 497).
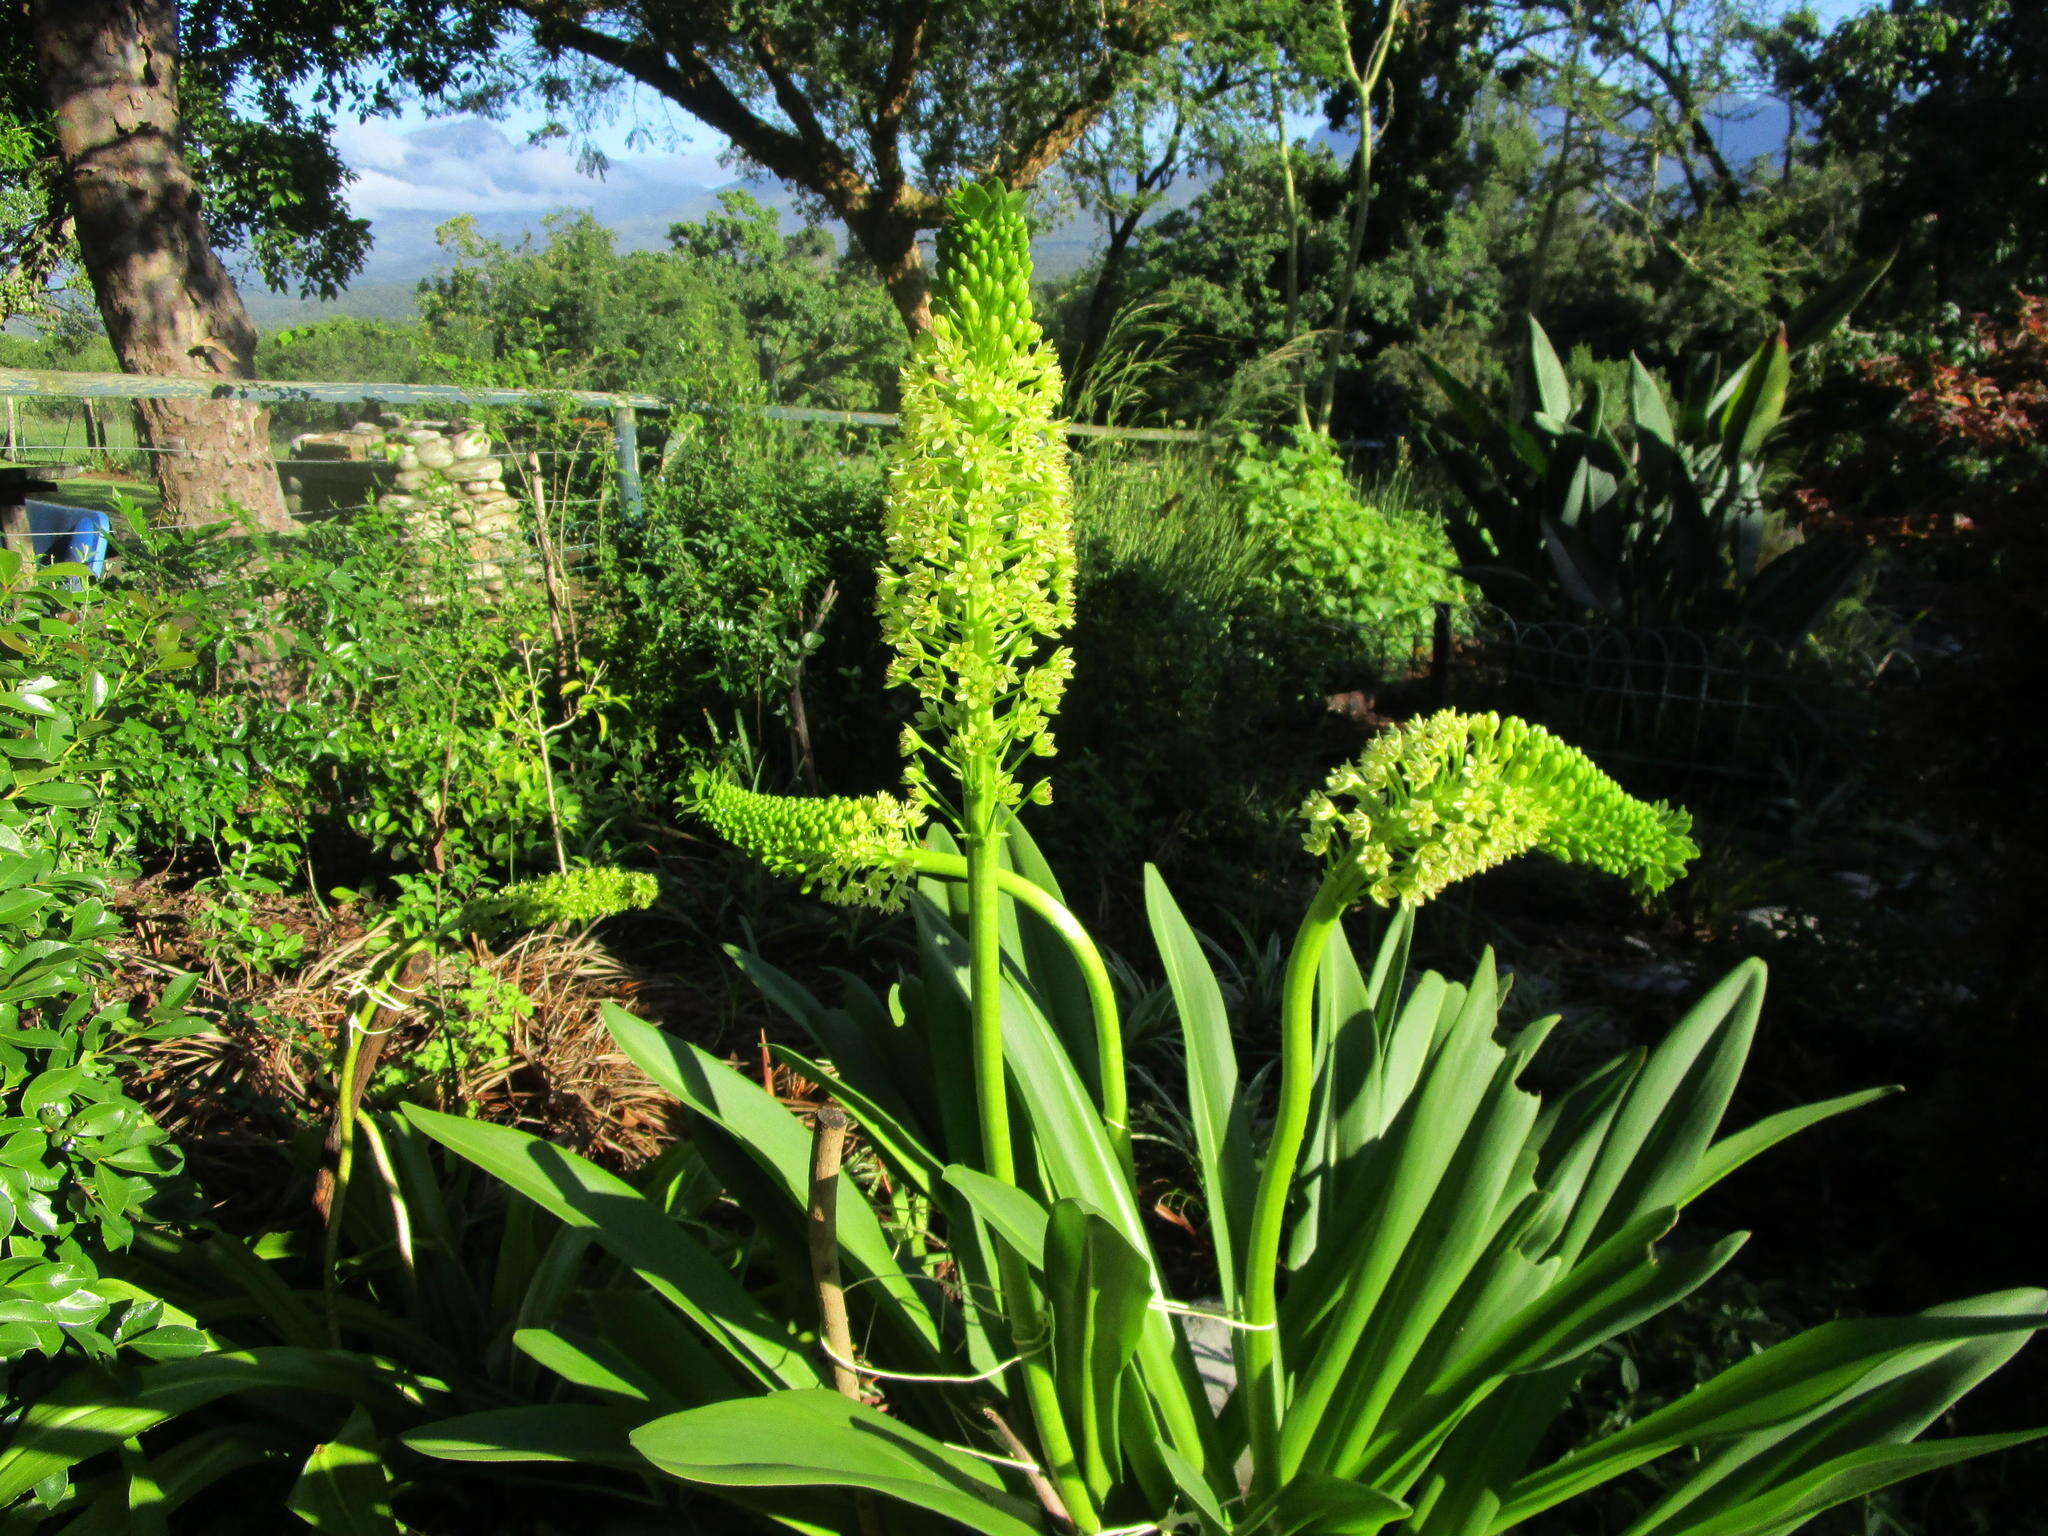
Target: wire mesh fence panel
(1670, 708)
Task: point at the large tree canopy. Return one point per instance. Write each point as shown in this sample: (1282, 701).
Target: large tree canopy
(873, 108)
(1949, 101)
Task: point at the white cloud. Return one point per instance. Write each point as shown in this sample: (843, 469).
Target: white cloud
(470, 165)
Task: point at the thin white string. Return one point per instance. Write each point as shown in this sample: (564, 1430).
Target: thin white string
(382, 999)
(991, 1456)
(1177, 1309)
(988, 1375)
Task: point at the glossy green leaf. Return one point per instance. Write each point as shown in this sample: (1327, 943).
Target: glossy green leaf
(780, 1146)
(818, 1438)
(1098, 1288)
(1216, 1106)
(87, 1413)
(592, 1434)
(345, 1486)
(627, 1225)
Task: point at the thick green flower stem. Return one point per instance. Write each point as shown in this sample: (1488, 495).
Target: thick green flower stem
(1261, 1372)
(1109, 1036)
(1029, 1325)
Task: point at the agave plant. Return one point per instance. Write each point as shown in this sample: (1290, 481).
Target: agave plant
(1663, 524)
(1414, 1256)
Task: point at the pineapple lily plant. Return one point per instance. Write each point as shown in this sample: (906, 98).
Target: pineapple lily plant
(1414, 1256)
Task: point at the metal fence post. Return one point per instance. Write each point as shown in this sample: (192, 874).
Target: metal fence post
(626, 438)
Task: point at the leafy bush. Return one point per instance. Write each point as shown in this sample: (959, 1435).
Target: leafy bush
(350, 685)
(81, 1163)
(1332, 559)
(751, 573)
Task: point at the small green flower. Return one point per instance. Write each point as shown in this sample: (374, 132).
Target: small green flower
(1446, 797)
(978, 568)
(856, 851)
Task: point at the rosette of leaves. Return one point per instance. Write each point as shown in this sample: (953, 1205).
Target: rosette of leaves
(1663, 523)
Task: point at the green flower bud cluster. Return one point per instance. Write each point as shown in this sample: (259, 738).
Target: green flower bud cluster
(577, 896)
(1446, 797)
(978, 568)
(984, 281)
(856, 851)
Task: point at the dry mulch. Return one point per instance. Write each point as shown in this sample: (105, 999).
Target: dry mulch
(248, 1096)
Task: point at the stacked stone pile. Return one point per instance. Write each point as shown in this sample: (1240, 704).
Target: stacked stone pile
(447, 483)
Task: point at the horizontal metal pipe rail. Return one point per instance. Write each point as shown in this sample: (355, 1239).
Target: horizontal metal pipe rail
(38, 383)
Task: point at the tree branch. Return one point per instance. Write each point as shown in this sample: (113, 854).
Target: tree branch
(885, 133)
(688, 79)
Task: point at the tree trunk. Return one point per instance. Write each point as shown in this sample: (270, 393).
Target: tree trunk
(888, 238)
(110, 68)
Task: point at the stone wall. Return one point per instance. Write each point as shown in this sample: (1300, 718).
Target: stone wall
(447, 483)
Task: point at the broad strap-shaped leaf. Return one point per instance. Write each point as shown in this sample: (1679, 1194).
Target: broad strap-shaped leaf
(1334, 1506)
(345, 1487)
(899, 1145)
(595, 1366)
(1015, 1216)
(1785, 1382)
(1751, 413)
(1787, 1506)
(1216, 1106)
(1648, 411)
(88, 1412)
(1550, 386)
(817, 1438)
(1418, 1218)
(177, 1475)
(1819, 315)
(634, 1230)
(590, 1434)
(1670, 1112)
(1831, 1448)
(1612, 1290)
(781, 1147)
(1731, 1152)
(1098, 1289)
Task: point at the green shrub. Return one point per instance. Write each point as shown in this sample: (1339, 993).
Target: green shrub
(351, 689)
(1332, 559)
(753, 569)
(82, 1165)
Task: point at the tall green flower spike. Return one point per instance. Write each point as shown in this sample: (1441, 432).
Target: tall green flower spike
(978, 567)
(1452, 795)
(856, 851)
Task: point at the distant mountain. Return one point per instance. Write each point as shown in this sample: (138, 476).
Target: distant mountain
(411, 181)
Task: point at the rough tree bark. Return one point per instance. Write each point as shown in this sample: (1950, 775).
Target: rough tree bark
(110, 68)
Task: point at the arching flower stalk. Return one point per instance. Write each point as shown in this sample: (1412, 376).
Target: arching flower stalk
(1426, 805)
(855, 851)
(1452, 795)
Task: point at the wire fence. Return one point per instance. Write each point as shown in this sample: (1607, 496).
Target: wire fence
(1671, 709)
